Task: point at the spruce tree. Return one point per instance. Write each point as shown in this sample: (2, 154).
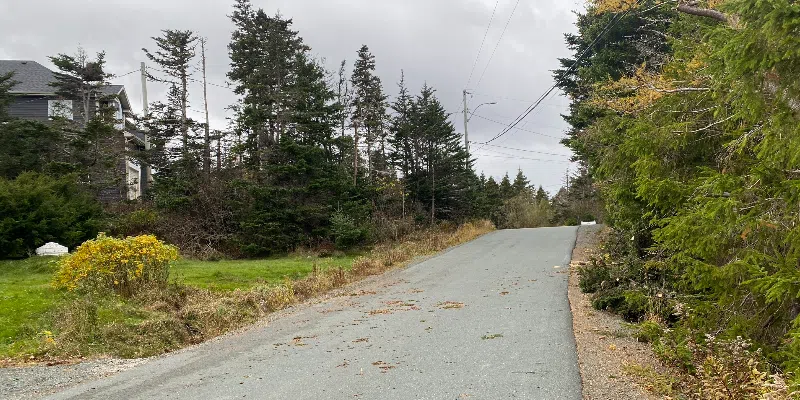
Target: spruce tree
(369, 111)
(506, 188)
(94, 144)
(520, 184)
(402, 152)
(541, 195)
(265, 56)
(174, 56)
(442, 183)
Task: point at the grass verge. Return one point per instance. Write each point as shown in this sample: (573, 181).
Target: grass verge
(39, 324)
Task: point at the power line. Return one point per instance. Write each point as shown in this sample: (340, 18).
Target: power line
(497, 45)
(192, 79)
(485, 34)
(126, 74)
(524, 150)
(509, 157)
(517, 128)
(514, 99)
(539, 101)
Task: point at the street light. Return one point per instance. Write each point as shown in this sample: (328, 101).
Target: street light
(466, 121)
(472, 114)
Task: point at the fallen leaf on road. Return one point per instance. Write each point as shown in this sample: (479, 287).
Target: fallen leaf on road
(447, 305)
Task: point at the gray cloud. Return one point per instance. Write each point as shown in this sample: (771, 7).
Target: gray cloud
(433, 41)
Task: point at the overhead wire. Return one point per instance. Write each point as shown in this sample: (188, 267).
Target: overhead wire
(517, 128)
(483, 42)
(509, 157)
(498, 44)
(547, 93)
(126, 74)
(523, 150)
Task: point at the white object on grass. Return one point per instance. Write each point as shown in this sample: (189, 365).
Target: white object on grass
(52, 249)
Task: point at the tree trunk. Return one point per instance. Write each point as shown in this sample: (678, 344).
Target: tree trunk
(355, 155)
(184, 106)
(207, 142)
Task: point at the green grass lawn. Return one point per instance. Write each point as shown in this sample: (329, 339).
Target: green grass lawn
(29, 304)
(25, 297)
(244, 274)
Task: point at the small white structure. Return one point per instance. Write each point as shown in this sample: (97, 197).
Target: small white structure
(589, 223)
(52, 249)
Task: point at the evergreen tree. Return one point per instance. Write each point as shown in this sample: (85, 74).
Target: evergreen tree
(402, 153)
(442, 182)
(369, 111)
(289, 117)
(82, 80)
(175, 53)
(494, 200)
(265, 56)
(520, 184)
(93, 142)
(541, 195)
(506, 188)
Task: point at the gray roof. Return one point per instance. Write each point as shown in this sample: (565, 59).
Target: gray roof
(35, 78)
(31, 77)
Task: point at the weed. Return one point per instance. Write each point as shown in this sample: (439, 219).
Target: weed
(651, 380)
(492, 336)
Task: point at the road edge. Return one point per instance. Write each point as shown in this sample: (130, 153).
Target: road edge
(604, 344)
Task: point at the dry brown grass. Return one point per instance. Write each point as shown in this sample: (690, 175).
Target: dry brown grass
(175, 316)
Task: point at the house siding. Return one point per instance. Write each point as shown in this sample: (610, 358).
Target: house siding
(29, 107)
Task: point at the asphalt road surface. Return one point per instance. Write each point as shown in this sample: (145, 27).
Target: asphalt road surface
(487, 320)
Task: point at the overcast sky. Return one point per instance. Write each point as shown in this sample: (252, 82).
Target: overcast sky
(434, 41)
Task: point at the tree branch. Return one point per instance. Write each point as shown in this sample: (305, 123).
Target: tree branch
(703, 12)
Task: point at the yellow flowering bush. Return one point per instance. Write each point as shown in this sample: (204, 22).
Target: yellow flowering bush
(123, 265)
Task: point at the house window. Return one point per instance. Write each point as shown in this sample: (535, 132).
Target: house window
(60, 109)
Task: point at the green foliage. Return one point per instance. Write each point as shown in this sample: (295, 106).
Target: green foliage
(693, 145)
(525, 211)
(630, 304)
(346, 234)
(36, 209)
(30, 146)
(594, 277)
(648, 332)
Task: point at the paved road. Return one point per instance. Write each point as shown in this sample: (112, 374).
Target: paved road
(487, 320)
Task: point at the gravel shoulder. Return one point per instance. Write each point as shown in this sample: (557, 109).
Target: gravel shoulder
(605, 345)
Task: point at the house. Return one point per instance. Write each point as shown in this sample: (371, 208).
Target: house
(35, 99)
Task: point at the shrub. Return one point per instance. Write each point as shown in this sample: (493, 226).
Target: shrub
(572, 221)
(345, 232)
(630, 304)
(122, 265)
(525, 211)
(36, 209)
(594, 276)
(648, 332)
(137, 222)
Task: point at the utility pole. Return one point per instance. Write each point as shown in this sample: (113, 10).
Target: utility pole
(143, 69)
(207, 143)
(146, 111)
(466, 122)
